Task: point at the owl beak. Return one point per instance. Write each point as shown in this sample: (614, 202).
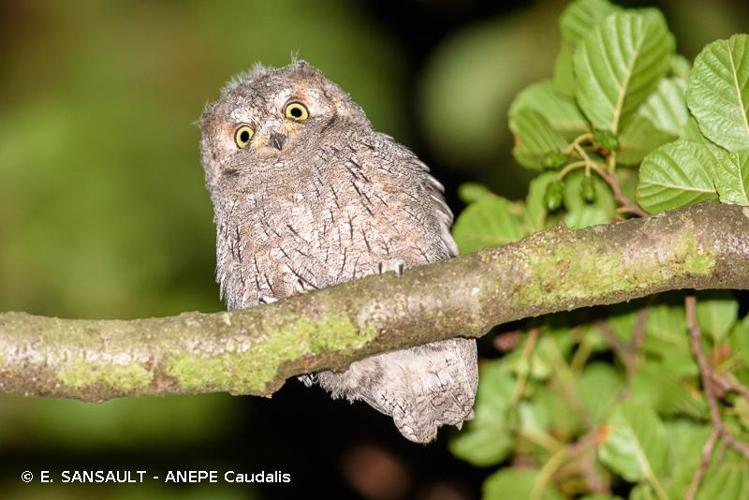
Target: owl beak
(276, 140)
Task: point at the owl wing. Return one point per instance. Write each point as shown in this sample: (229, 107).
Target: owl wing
(423, 387)
(416, 191)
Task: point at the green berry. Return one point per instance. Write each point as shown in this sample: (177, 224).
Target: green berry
(606, 139)
(553, 195)
(588, 189)
(554, 160)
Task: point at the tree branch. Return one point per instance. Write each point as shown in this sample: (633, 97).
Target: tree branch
(253, 351)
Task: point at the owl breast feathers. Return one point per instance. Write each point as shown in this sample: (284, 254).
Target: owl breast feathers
(307, 195)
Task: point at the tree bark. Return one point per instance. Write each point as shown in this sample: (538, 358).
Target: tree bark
(254, 351)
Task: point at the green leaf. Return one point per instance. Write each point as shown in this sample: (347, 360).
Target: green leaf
(619, 64)
(739, 340)
(639, 138)
(560, 111)
(731, 176)
(679, 66)
(635, 446)
(658, 386)
(718, 92)
(482, 444)
(581, 213)
(672, 355)
(622, 320)
(489, 222)
(469, 192)
(564, 423)
(692, 132)
(666, 339)
(564, 77)
(598, 389)
(535, 139)
(643, 491)
(741, 410)
(676, 174)
(515, 483)
(685, 441)
(534, 215)
(666, 108)
(582, 16)
(726, 479)
(487, 440)
(717, 312)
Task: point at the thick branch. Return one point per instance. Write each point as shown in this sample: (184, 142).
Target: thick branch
(255, 350)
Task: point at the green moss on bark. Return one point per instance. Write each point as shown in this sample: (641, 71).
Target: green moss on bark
(122, 378)
(255, 368)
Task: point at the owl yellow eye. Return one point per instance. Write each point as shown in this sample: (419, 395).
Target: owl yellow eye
(243, 135)
(296, 111)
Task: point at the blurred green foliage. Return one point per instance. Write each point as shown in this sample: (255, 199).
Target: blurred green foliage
(103, 211)
(611, 401)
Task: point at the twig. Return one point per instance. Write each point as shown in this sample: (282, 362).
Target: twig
(526, 360)
(627, 352)
(627, 205)
(638, 333)
(623, 350)
(707, 375)
(579, 140)
(707, 453)
(726, 385)
(608, 175)
(547, 471)
(578, 459)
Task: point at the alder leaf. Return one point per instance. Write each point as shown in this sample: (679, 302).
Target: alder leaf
(635, 446)
(731, 177)
(560, 111)
(718, 92)
(488, 222)
(676, 174)
(537, 144)
(666, 108)
(619, 64)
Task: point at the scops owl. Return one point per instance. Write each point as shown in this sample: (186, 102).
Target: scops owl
(307, 195)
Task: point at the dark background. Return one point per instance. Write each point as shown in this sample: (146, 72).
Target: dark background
(103, 213)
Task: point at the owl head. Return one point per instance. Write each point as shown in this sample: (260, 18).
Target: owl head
(271, 114)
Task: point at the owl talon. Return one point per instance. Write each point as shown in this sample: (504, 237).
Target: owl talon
(392, 266)
(308, 380)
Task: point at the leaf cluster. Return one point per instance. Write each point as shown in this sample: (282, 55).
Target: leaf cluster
(609, 402)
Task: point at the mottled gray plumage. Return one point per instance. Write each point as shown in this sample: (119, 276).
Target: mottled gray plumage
(308, 204)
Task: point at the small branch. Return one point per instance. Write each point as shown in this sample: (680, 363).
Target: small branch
(586, 137)
(526, 360)
(627, 205)
(254, 351)
(707, 453)
(623, 350)
(582, 462)
(707, 376)
(726, 384)
(638, 333)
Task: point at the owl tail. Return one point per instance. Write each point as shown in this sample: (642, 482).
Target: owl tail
(422, 388)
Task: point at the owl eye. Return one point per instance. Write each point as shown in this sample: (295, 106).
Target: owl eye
(296, 111)
(243, 135)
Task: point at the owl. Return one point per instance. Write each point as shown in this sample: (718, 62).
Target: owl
(306, 194)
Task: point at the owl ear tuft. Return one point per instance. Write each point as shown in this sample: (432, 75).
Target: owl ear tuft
(303, 66)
